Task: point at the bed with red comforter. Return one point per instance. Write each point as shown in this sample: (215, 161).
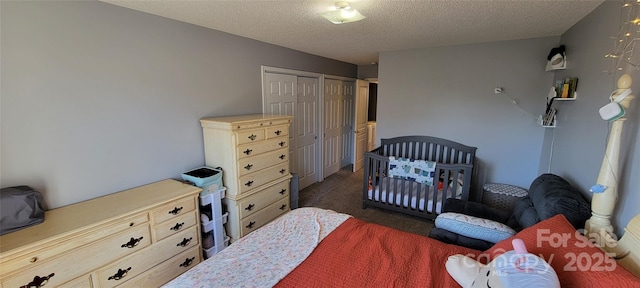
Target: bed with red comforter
(312, 247)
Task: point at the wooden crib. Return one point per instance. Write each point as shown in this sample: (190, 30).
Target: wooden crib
(454, 169)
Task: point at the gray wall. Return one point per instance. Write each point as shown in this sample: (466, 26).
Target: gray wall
(367, 71)
(97, 98)
(580, 138)
(448, 92)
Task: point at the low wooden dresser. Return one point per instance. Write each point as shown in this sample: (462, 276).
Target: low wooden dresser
(253, 152)
(141, 237)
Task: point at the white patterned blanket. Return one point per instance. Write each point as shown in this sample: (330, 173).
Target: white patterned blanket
(265, 256)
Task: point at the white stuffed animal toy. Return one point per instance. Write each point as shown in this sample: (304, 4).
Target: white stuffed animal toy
(516, 268)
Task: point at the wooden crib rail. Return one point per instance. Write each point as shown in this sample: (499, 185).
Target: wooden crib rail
(427, 148)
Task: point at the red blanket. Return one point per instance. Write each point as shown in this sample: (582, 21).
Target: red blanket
(361, 254)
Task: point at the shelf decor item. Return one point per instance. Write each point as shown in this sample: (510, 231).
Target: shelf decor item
(557, 59)
(549, 119)
(566, 88)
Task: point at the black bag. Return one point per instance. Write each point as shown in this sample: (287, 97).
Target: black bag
(20, 207)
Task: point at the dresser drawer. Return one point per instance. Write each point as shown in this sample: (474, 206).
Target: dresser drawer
(175, 225)
(84, 259)
(174, 210)
(281, 122)
(251, 149)
(254, 180)
(264, 216)
(46, 252)
(261, 161)
(249, 136)
(141, 261)
(277, 131)
(262, 199)
(261, 123)
(252, 124)
(167, 270)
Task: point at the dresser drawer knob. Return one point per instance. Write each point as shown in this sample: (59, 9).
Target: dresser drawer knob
(252, 137)
(38, 281)
(120, 274)
(250, 207)
(251, 224)
(132, 243)
(187, 262)
(278, 132)
(177, 227)
(175, 211)
(248, 151)
(283, 170)
(284, 206)
(33, 259)
(184, 242)
(282, 143)
(282, 156)
(283, 191)
(248, 167)
(248, 184)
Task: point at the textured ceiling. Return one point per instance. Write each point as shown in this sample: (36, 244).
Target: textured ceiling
(390, 25)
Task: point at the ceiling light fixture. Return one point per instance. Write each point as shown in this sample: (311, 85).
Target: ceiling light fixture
(343, 14)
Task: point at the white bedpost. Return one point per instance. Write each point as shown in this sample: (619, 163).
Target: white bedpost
(602, 204)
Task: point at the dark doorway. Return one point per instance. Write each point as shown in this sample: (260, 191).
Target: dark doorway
(373, 101)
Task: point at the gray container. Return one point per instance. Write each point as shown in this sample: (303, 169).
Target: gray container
(294, 191)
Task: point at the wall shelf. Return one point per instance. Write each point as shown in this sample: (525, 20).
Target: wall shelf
(575, 95)
(551, 97)
(550, 67)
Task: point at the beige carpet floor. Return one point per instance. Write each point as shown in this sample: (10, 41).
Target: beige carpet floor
(342, 192)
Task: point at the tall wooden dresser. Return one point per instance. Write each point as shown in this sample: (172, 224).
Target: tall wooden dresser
(141, 237)
(253, 152)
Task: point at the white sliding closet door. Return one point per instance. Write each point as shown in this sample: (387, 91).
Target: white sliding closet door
(280, 98)
(347, 98)
(332, 121)
(307, 128)
(322, 135)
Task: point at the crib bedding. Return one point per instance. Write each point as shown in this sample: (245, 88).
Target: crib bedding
(416, 202)
(410, 194)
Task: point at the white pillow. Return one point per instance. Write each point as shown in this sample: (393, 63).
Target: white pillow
(474, 227)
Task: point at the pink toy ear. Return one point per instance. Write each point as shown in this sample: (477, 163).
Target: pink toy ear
(519, 246)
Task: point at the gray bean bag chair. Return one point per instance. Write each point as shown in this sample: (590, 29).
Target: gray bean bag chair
(549, 195)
